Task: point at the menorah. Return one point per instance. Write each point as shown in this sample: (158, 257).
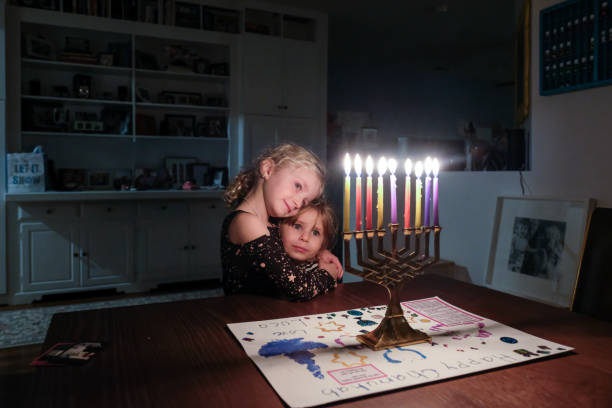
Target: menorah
(391, 269)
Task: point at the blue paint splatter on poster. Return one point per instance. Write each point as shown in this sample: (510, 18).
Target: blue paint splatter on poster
(297, 350)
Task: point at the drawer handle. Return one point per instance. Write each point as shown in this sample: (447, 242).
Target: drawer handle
(212, 206)
(164, 207)
(76, 254)
(193, 247)
(49, 211)
(109, 209)
(186, 247)
(85, 254)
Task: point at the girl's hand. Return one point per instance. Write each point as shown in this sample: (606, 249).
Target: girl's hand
(331, 263)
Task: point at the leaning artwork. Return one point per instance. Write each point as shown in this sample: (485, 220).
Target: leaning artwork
(321, 353)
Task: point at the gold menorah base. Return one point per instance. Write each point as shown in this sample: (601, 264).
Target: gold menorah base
(391, 332)
(391, 270)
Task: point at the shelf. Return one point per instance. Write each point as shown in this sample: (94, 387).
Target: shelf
(69, 66)
(200, 139)
(76, 100)
(181, 107)
(111, 195)
(152, 73)
(72, 134)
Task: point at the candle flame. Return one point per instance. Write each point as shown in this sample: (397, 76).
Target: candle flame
(408, 166)
(418, 169)
(436, 167)
(382, 166)
(392, 165)
(369, 165)
(347, 164)
(428, 166)
(358, 165)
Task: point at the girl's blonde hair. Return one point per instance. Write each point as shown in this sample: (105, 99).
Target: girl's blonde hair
(328, 219)
(287, 154)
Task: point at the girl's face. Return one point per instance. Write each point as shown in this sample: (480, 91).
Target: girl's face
(287, 189)
(303, 239)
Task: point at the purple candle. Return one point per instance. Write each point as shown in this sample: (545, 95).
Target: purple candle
(392, 179)
(436, 169)
(428, 165)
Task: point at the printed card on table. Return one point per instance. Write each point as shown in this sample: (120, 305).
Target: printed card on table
(321, 353)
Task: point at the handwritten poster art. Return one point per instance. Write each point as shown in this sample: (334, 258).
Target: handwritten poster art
(322, 355)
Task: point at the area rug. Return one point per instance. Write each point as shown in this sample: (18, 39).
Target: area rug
(29, 326)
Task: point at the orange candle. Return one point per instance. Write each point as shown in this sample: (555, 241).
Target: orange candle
(347, 193)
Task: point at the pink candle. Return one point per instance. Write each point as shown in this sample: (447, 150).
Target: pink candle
(408, 168)
(436, 169)
(428, 165)
(393, 181)
(369, 170)
(358, 193)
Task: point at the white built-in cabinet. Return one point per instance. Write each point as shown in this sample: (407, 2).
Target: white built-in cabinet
(272, 90)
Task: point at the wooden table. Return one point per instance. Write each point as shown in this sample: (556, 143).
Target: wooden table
(181, 354)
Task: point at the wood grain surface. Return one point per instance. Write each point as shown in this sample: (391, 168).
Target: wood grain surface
(181, 354)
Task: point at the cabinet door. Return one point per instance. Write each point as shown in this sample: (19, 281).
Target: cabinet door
(165, 249)
(260, 133)
(302, 79)
(207, 218)
(302, 132)
(49, 256)
(262, 75)
(108, 249)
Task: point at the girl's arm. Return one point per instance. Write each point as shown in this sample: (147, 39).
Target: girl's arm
(295, 279)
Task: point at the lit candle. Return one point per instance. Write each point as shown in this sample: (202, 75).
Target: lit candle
(382, 169)
(436, 169)
(392, 182)
(418, 170)
(358, 193)
(369, 170)
(428, 165)
(408, 168)
(347, 193)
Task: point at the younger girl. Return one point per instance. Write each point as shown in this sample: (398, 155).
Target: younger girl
(283, 180)
(310, 231)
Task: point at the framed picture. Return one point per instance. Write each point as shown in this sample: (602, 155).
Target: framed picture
(187, 14)
(200, 173)
(219, 176)
(537, 246)
(180, 169)
(100, 179)
(180, 125)
(39, 47)
(215, 127)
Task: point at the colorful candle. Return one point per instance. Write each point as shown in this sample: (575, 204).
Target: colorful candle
(382, 169)
(358, 193)
(408, 168)
(418, 170)
(393, 186)
(369, 170)
(428, 165)
(436, 169)
(347, 193)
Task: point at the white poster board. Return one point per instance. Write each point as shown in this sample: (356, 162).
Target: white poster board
(322, 355)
